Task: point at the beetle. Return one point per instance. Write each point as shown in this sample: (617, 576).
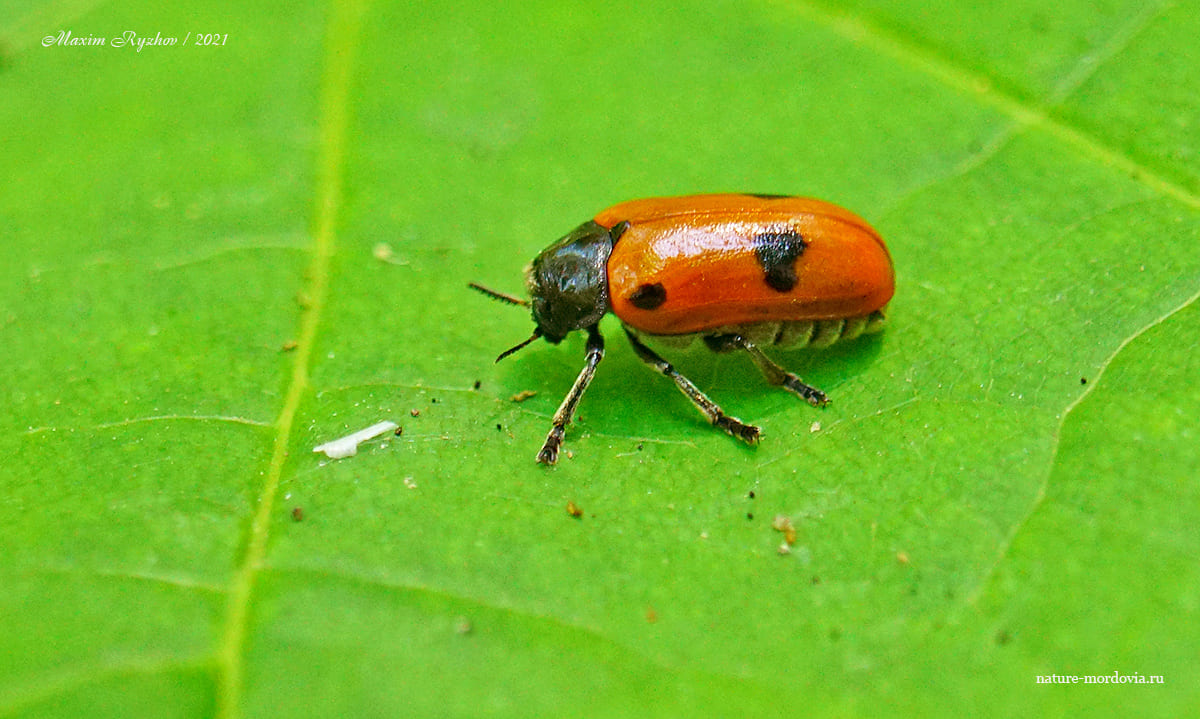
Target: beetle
(739, 271)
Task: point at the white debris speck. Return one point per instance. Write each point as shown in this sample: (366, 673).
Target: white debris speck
(348, 446)
(384, 253)
(816, 427)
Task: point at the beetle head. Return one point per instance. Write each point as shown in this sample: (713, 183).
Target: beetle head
(568, 282)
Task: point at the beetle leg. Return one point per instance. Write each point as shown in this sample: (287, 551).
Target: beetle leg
(777, 375)
(733, 426)
(566, 411)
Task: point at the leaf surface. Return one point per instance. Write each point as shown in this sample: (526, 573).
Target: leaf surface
(223, 255)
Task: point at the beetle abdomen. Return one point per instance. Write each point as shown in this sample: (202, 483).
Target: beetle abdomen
(805, 333)
(799, 334)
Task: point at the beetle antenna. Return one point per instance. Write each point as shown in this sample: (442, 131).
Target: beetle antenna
(536, 333)
(506, 298)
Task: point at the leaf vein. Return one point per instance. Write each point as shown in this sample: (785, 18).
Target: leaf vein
(23, 696)
(592, 633)
(985, 90)
(342, 36)
(155, 418)
(1040, 495)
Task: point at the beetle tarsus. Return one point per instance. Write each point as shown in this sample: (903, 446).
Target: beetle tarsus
(738, 429)
(549, 451)
(814, 396)
(808, 393)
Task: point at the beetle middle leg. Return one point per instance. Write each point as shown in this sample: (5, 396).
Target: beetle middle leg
(774, 374)
(733, 426)
(566, 410)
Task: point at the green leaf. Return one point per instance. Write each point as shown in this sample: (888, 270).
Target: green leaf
(220, 256)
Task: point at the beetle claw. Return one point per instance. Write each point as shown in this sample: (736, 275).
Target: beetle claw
(549, 452)
(738, 429)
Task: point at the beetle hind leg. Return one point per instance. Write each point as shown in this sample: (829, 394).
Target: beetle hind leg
(732, 426)
(773, 373)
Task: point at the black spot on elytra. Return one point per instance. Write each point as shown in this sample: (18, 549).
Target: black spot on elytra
(648, 297)
(777, 253)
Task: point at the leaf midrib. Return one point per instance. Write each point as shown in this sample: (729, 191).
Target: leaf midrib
(342, 36)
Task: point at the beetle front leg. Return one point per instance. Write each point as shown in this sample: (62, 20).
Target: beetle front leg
(566, 410)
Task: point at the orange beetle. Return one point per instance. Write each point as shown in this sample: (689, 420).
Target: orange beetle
(736, 270)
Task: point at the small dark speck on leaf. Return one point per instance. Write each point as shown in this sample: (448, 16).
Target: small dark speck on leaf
(499, 427)
(749, 515)
(1083, 380)
(297, 514)
(399, 431)
(751, 494)
(1003, 637)
(478, 384)
(289, 346)
(574, 509)
(415, 412)
(816, 580)
(434, 400)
